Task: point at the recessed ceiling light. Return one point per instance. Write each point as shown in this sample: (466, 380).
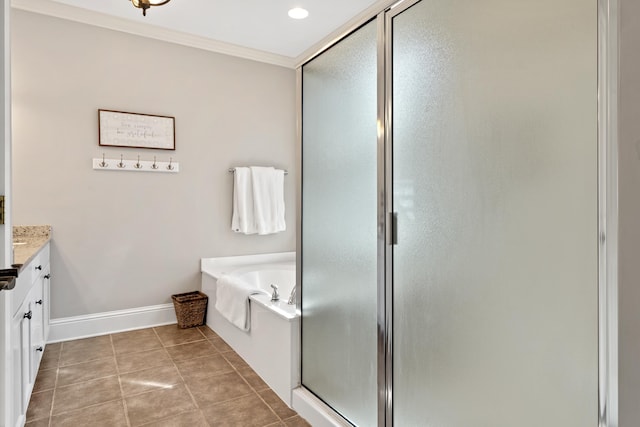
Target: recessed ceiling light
(298, 13)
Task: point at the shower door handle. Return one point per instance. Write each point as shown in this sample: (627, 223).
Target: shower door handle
(393, 228)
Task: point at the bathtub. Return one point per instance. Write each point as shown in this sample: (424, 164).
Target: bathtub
(272, 345)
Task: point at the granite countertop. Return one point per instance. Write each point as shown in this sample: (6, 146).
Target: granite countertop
(27, 242)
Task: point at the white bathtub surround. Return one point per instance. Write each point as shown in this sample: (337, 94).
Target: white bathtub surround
(232, 300)
(272, 345)
(315, 411)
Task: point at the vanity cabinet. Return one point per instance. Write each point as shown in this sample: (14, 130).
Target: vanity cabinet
(27, 334)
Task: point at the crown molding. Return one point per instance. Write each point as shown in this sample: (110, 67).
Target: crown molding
(343, 30)
(85, 16)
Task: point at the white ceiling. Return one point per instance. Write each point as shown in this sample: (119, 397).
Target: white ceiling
(262, 25)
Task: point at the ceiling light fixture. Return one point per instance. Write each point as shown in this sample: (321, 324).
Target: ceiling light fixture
(146, 4)
(298, 13)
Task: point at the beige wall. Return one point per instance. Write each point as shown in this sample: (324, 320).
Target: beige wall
(124, 240)
(629, 194)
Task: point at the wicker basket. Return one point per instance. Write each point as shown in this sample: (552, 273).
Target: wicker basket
(191, 308)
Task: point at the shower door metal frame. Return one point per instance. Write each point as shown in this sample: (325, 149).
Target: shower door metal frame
(607, 95)
(608, 35)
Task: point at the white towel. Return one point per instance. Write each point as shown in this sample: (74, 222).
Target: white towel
(268, 199)
(232, 300)
(243, 220)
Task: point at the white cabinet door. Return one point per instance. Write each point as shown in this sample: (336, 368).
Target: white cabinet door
(46, 296)
(37, 327)
(21, 354)
(16, 405)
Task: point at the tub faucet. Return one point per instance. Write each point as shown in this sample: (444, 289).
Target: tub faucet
(275, 296)
(292, 297)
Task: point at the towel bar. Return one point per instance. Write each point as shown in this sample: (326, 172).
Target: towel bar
(232, 170)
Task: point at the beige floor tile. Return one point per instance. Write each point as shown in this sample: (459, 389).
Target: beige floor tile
(188, 419)
(110, 414)
(211, 390)
(129, 362)
(279, 407)
(45, 380)
(50, 358)
(42, 422)
(88, 393)
(208, 332)
(102, 342)
(203, 366)
(253, 379)
(158, 405)
(54, 347)
(248, 411)
(296, 421)
(135, 341)
(85, 352)
(172, 335)
(40, 405)
(220, 344)
(191, 350)
(235, 360)
(81, 372)
(220, 381)
(150, 379)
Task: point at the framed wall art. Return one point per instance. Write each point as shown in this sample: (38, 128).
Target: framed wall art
(135, 130)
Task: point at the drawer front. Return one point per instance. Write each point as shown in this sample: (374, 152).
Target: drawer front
(20, 292)
(30, 273)
(43, 257)
(38, 265)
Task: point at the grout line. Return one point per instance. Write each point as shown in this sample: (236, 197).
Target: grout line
(126, 411)
(173, 416)
(124, 402)
(201, 333)
(55, 384)
(55, 388)
(253, 388)
(58, 387)
(186, 386)
(86, 361)
(85, 407)
(268, 406)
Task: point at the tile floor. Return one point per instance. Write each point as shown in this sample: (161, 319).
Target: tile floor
(162, 376)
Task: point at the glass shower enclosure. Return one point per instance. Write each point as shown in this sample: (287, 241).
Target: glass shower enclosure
(449, 216)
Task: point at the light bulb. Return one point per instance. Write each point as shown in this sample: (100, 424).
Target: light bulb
(298, 13)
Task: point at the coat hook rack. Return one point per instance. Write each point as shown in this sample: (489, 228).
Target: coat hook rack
(136, 165)
(102, 164)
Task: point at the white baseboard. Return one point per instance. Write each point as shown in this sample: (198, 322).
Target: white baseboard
(91, 325)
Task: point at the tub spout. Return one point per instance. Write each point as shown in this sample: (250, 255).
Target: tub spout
(292, 297)
(275, 296)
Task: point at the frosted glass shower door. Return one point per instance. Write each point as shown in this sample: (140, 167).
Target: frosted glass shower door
(339, 218)
(495, 187)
